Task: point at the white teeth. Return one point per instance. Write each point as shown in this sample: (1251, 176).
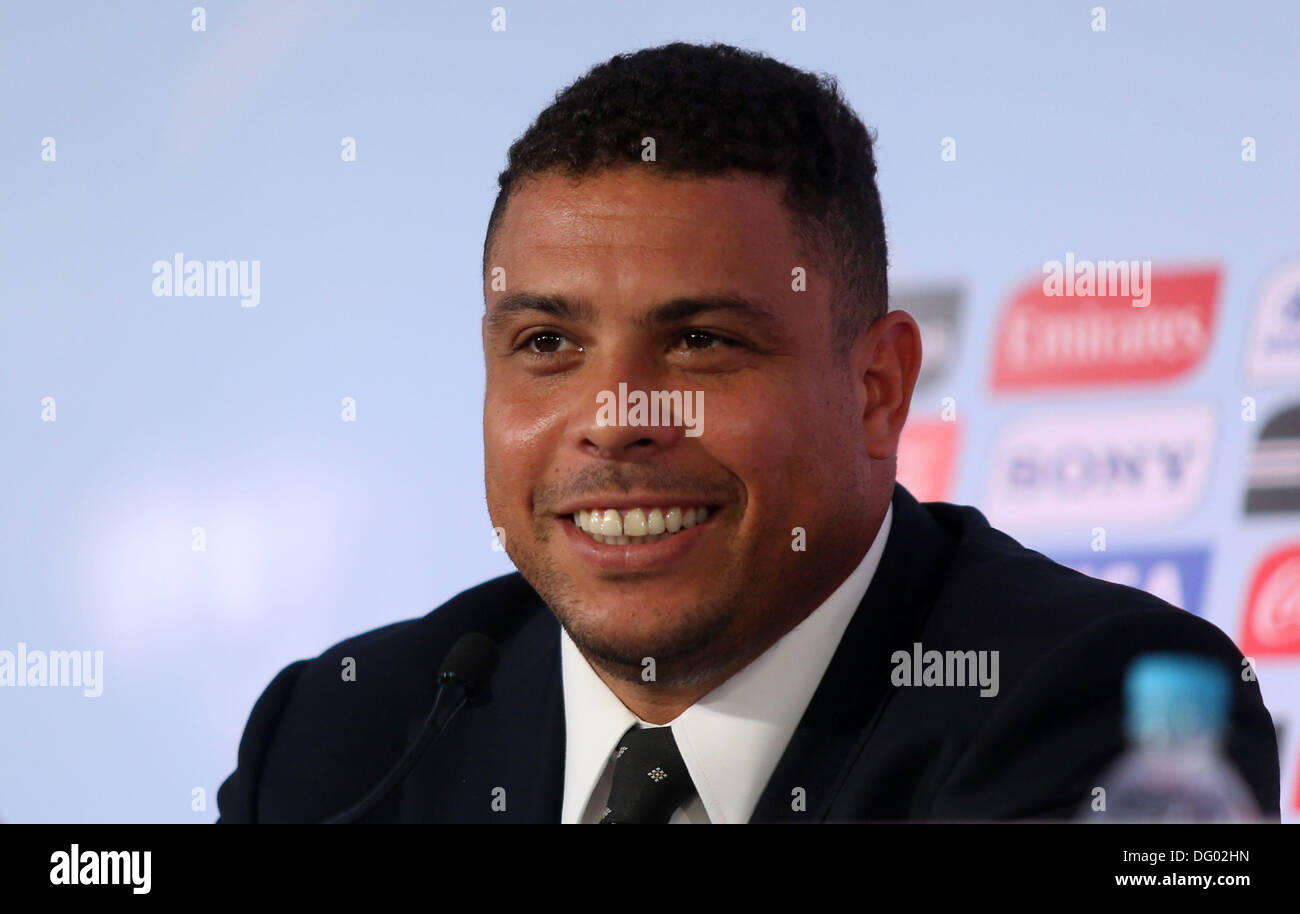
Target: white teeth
(612, 523)
(654, 524)
(673, 520)
(634, 523)
(637, 526)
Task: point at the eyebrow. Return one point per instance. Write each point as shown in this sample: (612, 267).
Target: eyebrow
(667, 313)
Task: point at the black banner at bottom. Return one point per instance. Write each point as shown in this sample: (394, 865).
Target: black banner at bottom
(189, 863)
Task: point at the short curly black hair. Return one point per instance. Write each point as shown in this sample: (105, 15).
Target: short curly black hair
(717, 108)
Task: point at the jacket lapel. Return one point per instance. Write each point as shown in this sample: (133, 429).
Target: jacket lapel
(838, 722)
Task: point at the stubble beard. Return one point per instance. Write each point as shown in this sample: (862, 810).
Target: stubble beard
(702, 642)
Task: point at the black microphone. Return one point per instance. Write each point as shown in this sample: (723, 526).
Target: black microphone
(463, 679)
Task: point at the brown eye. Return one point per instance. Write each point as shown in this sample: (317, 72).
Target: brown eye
(707, 340)
(698, 339)
(545, 342)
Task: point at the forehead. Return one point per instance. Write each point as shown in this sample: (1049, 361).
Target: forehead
(621, 225)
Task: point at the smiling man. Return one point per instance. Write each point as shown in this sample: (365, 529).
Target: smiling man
(664, 284)
(728, 625)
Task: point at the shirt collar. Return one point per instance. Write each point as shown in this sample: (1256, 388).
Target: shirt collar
(733, 737)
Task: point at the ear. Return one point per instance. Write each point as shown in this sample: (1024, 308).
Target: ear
(886, 360)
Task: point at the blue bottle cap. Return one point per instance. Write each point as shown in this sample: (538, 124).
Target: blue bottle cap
(1175, 695)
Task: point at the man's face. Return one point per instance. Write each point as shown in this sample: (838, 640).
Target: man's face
(664, 284)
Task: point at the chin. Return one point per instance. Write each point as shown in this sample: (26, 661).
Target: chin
(628, 631)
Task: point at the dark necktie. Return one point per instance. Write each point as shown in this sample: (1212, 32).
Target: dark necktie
(650, 778)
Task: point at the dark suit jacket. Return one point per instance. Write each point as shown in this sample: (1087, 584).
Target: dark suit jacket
(865, 749)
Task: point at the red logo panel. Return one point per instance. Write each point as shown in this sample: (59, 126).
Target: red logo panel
(1271, 623)
(927, 455)
(1060, 341)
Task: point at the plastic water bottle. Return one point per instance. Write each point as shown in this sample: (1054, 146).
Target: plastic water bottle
(1176, 716)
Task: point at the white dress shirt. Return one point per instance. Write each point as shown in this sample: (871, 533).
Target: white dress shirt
(733, 737)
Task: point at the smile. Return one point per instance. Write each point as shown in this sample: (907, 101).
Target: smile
(638, 526)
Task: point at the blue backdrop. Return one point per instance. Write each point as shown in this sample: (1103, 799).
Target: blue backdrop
(179, 488)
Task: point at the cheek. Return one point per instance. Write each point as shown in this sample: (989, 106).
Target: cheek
(757, 442)
(787, 448)
(517, 443)
(515, 432)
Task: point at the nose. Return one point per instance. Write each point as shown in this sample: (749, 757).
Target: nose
(618, 415)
